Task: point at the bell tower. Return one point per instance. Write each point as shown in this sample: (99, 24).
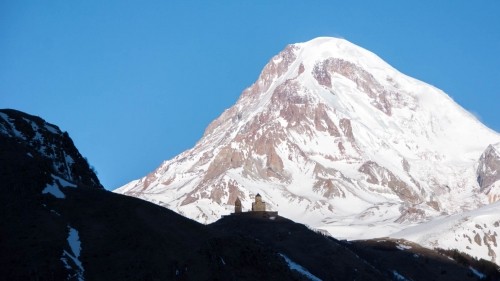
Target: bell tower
(237, 205)
(258, 205)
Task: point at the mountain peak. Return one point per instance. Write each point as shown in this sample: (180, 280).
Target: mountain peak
(330, 134)
(322, 48)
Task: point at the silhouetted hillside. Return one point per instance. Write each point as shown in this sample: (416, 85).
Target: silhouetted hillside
(121, 238)
(58, 223)
(331, 259)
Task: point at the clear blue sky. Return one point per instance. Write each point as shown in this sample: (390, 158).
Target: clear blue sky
(137, 82)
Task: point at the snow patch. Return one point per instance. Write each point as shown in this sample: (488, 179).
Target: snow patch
(51, 129)
(476, 272)
(16, 133)
(295, 266)
(75, 247)
(54, 190)
(398, 276)
(63, 182)
(403, 247)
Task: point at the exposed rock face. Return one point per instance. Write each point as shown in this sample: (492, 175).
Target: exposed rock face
(364, 80)
(488, 172)
(381, 176)
(329, 131)
(345, 125)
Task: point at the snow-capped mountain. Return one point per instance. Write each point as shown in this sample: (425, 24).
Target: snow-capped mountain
(334, 137)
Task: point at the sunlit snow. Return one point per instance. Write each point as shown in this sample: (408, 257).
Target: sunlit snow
(428, 142)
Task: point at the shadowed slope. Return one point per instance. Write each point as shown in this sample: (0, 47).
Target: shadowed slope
(331, 259)
(43, 211)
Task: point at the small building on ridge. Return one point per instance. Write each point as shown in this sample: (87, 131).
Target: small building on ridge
(258, 208)
(258, 205)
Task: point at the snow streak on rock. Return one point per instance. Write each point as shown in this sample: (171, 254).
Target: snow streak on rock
(53, 188)
(71, 259)
(297, 267)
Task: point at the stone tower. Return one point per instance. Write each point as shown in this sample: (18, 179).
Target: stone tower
(258, 205)
(237, 205)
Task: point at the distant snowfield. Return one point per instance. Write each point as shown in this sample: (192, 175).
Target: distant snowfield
(475, 232)
(333, 137)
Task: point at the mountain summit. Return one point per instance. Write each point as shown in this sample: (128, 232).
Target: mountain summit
(331, 136)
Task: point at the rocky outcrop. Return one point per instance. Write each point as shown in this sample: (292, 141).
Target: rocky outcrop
(488, 170)
(364, 80)
(46, 141)
(345, 126)
(381, 176)
(277, 67)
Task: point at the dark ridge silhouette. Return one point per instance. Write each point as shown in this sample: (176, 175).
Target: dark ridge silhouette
(124, 238)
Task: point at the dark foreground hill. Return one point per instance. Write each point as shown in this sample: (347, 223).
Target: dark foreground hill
(331, 259)
(58, 223)
(48, 214)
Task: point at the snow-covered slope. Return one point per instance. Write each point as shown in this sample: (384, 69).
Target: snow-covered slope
(332, 136)
(475, 232)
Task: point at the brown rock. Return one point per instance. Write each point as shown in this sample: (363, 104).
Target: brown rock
(345, 126)
(477, 239)
(488, 171)
(364, 81)
(388, 179)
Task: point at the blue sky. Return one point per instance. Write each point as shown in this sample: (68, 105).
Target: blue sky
(137, 82)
